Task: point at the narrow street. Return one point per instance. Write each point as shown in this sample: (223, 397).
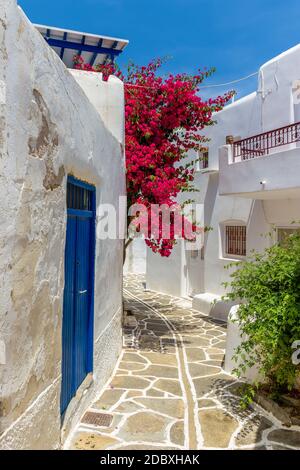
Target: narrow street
(169, 390)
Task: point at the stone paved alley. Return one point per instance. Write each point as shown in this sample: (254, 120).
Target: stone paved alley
(169, 390)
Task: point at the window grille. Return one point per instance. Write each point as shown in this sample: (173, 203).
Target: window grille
(205, 159)
(235, 240)
(78, 198)
(202, 162)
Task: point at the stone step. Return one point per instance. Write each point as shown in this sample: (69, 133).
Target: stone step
(212, 305)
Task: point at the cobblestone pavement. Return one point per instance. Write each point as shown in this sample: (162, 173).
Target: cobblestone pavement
(169, 390)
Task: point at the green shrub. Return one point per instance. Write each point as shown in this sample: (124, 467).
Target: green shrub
(268, 287)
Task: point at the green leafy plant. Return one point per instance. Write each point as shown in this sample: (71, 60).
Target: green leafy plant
(247, 392)
(267, 286)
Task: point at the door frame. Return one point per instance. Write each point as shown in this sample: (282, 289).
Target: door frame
(77, 182)
(91, 215)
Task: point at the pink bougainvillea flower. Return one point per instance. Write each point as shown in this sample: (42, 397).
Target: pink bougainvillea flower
(164, 117)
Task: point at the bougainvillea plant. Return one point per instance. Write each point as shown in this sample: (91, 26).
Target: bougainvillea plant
(163, 120)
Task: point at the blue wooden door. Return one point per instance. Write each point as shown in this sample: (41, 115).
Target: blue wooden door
(77, 330)
(83, 294)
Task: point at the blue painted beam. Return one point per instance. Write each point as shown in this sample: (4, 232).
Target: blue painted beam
(85, 47)
(93, 58)
(115, 44)
(82, 43)
(80, 213)
(63, 49)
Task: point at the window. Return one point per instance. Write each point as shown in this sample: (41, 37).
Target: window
(202, 162)
(205, 159)
(78, 197)
(235, 240)
(284, 232)
(194, 254)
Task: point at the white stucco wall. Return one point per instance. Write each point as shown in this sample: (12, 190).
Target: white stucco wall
(135, 260)
(165, 274)
(49, 128)
(272, 105)
(272, 176)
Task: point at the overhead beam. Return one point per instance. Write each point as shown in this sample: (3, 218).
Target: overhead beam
(93, 58)
(82, 43)
(84, 47)
(63, 49)
(115, 44)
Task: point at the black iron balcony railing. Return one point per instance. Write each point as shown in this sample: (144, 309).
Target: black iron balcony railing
(259, 145)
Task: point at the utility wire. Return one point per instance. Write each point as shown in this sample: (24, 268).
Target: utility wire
(229, 83)
(205, 86)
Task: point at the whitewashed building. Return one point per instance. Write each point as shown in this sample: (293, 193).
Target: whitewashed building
(248, 187)
(61, 156)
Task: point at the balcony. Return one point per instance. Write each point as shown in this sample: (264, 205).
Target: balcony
(265, 143)
(264, 166)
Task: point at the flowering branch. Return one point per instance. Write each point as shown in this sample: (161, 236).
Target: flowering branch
(163, 121)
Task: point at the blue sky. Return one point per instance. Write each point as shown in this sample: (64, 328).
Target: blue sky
(233, 35)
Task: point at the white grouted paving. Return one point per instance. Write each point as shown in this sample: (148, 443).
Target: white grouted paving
(169, 390)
